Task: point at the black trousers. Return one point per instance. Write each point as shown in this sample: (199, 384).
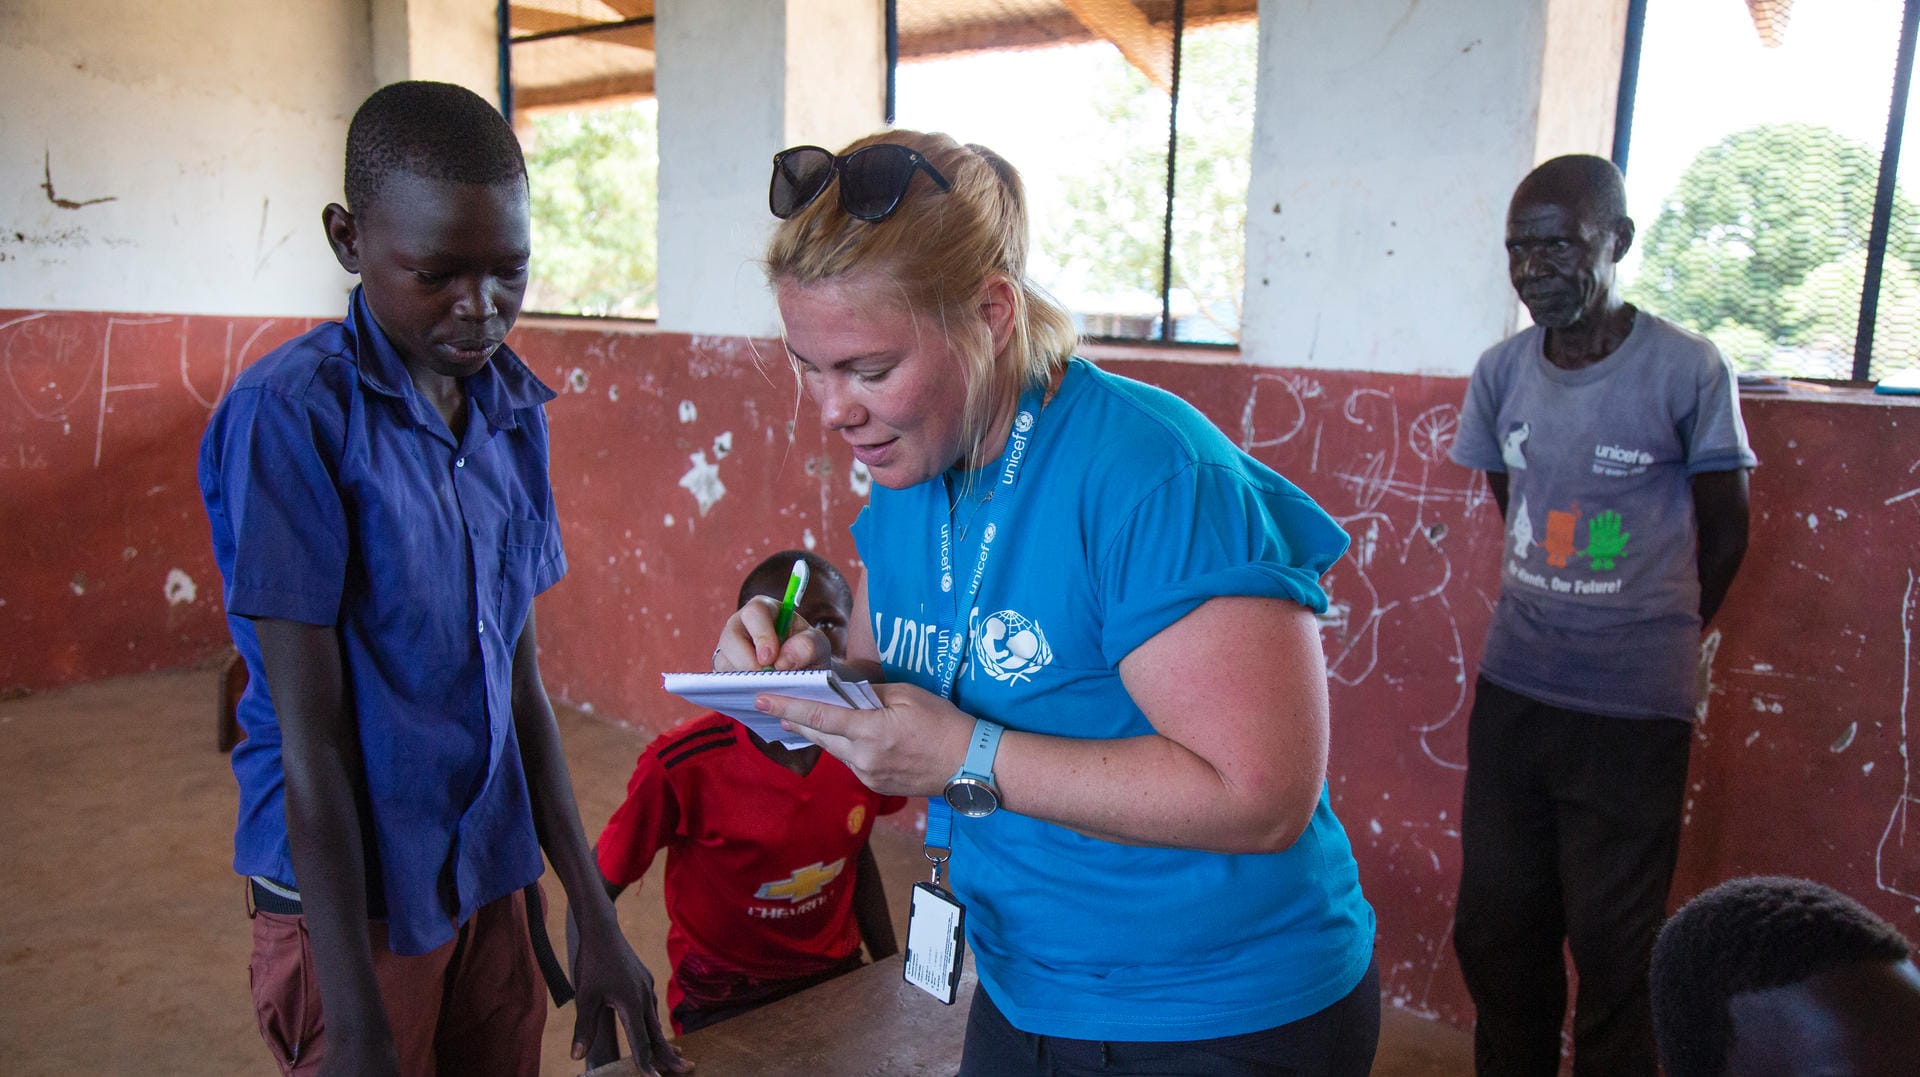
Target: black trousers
(1569, 834)
(1339, 1041)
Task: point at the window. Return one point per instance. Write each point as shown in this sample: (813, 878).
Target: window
(581, 96)
(1081, 97)
(1763, 175)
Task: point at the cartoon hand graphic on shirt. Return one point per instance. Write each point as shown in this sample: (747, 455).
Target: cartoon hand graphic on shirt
(1605, 540)
(1559, 543)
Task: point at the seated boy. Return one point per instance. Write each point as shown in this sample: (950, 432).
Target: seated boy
(1783, 976)
(380, 511)
(770, 884)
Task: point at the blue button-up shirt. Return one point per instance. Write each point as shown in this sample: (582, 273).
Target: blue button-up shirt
(337, 496)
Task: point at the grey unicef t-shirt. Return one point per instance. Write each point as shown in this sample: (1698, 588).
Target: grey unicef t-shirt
(1599, 585)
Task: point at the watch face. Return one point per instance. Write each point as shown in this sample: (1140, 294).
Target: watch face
(972, 797)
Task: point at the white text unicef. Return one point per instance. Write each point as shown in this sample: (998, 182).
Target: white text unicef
(1010, 647)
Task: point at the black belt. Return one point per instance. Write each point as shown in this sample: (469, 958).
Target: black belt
(266, 900)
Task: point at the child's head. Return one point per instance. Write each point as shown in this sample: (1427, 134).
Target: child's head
(435, 223)
(828, 603)
(1781, 975)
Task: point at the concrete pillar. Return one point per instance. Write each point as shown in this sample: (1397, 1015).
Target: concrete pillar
(737, 81)
(1387, 140)
(453, 41)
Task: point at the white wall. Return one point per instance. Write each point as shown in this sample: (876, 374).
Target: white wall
(1388, 138)
(214, 126)
(1580, 77)
(438, 40)
(214, 130)
(739, 80)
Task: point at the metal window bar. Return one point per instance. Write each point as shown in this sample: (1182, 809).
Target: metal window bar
(1629, 82)
(504, 25)
(1883, 196)
(893, 56)
(1173, 156)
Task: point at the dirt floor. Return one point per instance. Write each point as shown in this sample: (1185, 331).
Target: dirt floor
(123, 939)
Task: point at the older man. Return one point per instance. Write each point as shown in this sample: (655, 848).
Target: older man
(1613, 446)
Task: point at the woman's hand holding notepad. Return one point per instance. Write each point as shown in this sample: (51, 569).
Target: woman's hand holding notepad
(732, 694)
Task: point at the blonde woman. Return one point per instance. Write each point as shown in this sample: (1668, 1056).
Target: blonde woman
(1094, 618)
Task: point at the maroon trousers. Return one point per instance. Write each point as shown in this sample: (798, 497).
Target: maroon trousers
(476, 1005)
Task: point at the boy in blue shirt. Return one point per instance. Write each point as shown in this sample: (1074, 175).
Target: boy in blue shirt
(381, 514)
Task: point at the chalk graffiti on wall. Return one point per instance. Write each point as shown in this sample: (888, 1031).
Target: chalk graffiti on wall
(1392, 519)
(1893, 859)
(100, 419)
(65, 369)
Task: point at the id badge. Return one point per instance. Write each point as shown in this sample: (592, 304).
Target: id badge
(936, 941)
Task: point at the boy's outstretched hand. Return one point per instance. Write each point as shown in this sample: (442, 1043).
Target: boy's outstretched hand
(608, 976)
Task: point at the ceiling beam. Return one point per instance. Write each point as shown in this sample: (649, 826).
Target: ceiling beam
(631, 9)
(596, 91)
(533, 20)
(1146, 46)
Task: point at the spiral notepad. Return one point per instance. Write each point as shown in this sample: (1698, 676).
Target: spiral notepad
(732, 694)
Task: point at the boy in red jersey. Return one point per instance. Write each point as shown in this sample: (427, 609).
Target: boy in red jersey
(770, 884)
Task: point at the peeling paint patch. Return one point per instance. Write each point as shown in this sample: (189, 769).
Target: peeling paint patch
(78, 583)
(1374, 825)
(613, 392)
(668, 520)
(180, 589)
(577, 380)
(807, 539)
(129, 554)
(1709, 650)
(1867, 768)
(859, 479)
(702, 480)
(723, 445)
(1751, 737)
(688, 412)
(1845, 740)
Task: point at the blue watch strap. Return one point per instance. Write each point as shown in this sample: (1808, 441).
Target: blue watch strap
(981, 750)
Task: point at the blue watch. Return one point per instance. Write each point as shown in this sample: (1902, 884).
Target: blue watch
(971, 791)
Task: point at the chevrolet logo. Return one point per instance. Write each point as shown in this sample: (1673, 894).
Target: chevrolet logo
(804, 882)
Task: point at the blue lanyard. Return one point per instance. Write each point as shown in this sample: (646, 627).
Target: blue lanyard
(1026, 423)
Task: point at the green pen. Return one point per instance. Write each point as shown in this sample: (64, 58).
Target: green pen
(796, 587)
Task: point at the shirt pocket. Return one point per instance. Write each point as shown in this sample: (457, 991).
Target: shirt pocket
(520, 554)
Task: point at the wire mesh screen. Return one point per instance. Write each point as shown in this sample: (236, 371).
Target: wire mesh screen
(1756, 159)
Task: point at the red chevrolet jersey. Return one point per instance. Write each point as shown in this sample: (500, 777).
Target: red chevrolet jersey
(760, 860)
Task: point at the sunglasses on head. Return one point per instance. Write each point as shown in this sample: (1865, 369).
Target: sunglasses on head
(873, 179)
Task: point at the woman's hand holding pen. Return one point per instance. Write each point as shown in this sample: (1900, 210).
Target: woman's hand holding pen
(749, 641)
(909, 747)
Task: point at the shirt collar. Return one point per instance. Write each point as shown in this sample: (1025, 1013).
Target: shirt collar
(501, 389)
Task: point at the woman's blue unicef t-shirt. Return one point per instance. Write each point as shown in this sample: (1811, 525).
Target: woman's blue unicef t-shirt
(1130, 511)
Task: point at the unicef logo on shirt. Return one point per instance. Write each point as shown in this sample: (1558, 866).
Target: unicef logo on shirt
(1024, 422)
(1011, 647)
(946, 582)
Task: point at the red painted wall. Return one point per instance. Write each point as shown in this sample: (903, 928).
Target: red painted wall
(1803, 764)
